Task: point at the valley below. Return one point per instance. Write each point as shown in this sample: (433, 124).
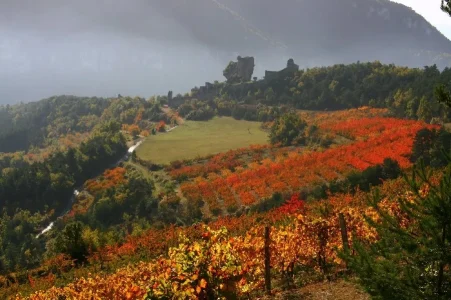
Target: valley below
(317, 169)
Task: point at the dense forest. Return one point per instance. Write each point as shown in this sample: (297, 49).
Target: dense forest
(53, 147)
(407, 92)
(42, 123)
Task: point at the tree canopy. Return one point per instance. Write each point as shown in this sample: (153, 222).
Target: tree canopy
(288, 130)
(446, 6)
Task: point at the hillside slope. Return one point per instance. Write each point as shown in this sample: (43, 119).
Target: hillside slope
(329, 32)
(90, 48)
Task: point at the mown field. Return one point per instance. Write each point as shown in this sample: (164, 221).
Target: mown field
(193, 139)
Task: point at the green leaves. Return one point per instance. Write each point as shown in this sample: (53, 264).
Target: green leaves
(408, 261)
(288, 130)
(443, 95)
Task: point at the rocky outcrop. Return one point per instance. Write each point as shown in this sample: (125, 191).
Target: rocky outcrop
(288, 71)
(291, 66)
(240, 71)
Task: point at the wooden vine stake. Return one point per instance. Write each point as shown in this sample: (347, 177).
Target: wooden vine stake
(267, 261)
(344, 233)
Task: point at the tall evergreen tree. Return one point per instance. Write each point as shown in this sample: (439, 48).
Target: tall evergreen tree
(424, 110)
(70, 241)
(410, 262)
(443, 95)
(412, 108)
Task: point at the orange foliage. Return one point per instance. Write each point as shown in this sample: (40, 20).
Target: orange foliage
(306, 237)
(376, 139)
(109, 179)
(144, 133)
(161, 127)
(139, 116)
(328, 118)
(132, 129)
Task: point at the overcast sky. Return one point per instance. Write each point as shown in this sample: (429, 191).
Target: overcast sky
(430, 10)
(106, 47)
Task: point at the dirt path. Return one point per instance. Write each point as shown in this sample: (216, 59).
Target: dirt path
(339, 290)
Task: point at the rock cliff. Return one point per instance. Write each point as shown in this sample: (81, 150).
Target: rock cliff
(240, 71)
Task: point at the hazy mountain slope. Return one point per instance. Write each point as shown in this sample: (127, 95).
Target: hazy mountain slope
(337, 23)
(330, 31)
(146, 47)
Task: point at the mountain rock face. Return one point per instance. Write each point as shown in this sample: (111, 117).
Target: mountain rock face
(313, 31)
(147, 47)
(240, 71)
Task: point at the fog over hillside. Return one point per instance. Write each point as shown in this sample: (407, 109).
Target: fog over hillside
(146, 47)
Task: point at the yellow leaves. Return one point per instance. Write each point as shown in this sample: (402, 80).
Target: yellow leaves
(300, 218)
(167, 273)
(220, 261)
(203, 283)
(175, 286)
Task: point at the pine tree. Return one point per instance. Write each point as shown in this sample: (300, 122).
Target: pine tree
(442, 141)
(422, 144)
(412, 108)
(443, 95)
(70, 241)
(414, 262)
(424, 110)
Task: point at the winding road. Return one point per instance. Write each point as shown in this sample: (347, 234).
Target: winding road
(77, 192)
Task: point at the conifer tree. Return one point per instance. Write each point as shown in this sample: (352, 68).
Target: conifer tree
(424, 112)
(413, 262)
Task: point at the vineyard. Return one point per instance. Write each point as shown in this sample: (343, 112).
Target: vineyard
(227, 257)
(235, 253)
(224, 184)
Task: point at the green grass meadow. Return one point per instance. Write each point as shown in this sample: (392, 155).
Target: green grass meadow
(194, 139)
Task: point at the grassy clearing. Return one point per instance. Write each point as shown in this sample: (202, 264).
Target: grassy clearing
(193, 139)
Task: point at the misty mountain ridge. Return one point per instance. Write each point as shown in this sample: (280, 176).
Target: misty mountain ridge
(346, 30)
(149, 47)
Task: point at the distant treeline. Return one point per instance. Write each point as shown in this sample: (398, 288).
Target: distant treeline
(405, 91)
(48, 184)
(41, 123)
